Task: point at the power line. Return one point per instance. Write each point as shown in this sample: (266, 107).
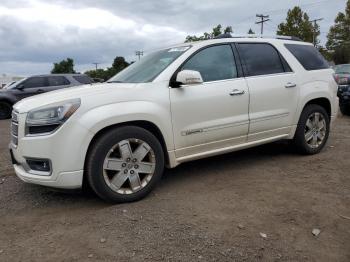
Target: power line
(96, 64)
(314, 29)
(263, 19)
(139, 54)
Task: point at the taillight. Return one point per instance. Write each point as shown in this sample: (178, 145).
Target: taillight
(336, 78)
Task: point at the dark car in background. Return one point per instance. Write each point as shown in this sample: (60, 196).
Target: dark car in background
(342, 76)
(34, 85)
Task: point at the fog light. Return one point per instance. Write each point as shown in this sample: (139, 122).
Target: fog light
(42, 165)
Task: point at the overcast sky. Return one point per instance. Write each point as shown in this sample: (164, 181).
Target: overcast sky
(36, 33)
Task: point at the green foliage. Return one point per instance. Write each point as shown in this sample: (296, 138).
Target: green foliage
(118, 65)
(64, 67)
(216, 31)
(298, 24)
(251, 32)
(339, 37)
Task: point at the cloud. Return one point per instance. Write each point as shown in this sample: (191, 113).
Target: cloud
(36, 33)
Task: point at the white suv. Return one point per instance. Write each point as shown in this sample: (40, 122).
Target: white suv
(177, 104)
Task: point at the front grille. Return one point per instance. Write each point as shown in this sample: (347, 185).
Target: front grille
(14, 128)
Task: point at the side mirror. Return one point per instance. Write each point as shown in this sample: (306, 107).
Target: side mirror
(189, 77)
(20, 87)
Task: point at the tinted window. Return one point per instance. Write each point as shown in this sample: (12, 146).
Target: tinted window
(58, 81)
(83, 79)
(214, 63)
(308, 56)
(261, 59)
(35, 82)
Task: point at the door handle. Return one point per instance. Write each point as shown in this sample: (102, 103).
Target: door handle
(40, 91)
(290, 85)
(236, 92)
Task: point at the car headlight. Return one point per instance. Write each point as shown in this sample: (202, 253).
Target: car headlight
(48, 119)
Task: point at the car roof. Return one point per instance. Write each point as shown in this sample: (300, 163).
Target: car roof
(46, 75)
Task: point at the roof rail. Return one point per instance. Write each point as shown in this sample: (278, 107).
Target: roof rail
(284, 37)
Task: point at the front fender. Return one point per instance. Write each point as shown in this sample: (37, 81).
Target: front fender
(101, 117)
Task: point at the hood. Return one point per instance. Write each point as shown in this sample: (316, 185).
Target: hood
(82, 92)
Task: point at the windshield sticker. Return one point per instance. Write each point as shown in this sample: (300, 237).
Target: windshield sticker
(179, 49)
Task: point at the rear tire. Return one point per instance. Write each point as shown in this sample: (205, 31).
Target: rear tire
(5, 110)
(125, 164)
(312, 131)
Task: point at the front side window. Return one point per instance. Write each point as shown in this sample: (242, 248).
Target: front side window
(34, 82)
(308, 56)
(261, 59)
(214, 63)
(58, 81)
(149, 67)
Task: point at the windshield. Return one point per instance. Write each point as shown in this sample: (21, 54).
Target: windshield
(149, 67)
(14, 84)
(342, 69)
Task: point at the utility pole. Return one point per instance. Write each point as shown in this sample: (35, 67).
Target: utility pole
(96, 64)
(139, 54)
(314, 29)
(263, 19)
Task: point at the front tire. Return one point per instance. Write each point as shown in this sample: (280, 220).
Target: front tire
(125, 164)
(5, 110)
(313, 130)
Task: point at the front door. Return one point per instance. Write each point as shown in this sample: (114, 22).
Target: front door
(212, 115)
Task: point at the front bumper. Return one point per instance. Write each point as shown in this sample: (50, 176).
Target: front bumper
(66, 149)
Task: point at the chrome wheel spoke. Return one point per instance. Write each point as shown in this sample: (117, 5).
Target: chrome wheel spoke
(309, 124)
(146, 168)
(316, 119)
(314, 140)
(113, 164)
(125, 149)
(135, 181)
(141, 151)
(308, 136)
(119, 179)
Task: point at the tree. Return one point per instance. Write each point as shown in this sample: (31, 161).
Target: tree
(64, 67)
(339, 37)
(299, 25)
(118, 65)
(216, 31)
(251, 32)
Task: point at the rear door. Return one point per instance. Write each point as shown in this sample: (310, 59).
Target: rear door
(57, 82)
(273, 88)
(212, 115)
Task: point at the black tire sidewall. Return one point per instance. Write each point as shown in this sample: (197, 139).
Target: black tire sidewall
(7, 114)
(299, 137)
(99, 151)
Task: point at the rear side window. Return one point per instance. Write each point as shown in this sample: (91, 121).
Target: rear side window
(33, 82)
(261, 59)
(308, 56)
(83, 79)
(214, 63)
(58, 81)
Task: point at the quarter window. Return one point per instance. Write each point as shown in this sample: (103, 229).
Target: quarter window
(83, 79)
(261, 59)
(308, 56)
(214, 63)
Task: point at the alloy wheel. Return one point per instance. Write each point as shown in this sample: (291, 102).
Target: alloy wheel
(129, 166)
(315, 130)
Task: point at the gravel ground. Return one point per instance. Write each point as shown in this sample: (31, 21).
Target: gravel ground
(259, 204)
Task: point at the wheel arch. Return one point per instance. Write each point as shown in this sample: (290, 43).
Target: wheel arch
(321, 101)
(145, 124)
